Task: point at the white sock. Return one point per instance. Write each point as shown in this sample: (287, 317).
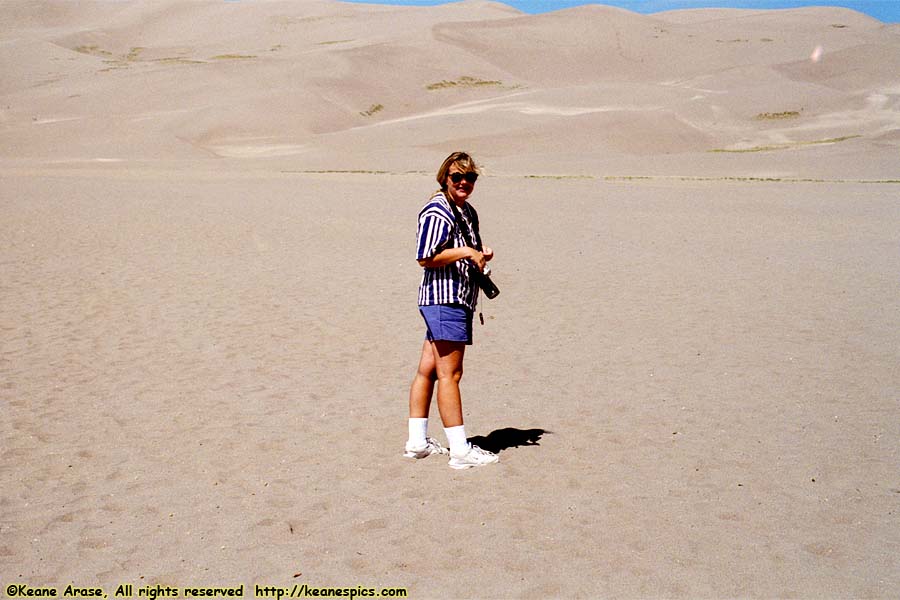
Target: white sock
(417, 429)
(456, 437)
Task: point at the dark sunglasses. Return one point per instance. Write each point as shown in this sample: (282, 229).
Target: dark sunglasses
(470, 176)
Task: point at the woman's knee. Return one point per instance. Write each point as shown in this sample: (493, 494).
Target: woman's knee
(427, 372)
(427, 368)
(454, 374)
(448, 360)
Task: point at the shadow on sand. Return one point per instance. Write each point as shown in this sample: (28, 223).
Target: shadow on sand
(508, 437)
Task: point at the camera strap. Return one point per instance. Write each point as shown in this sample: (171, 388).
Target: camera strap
(464, 229)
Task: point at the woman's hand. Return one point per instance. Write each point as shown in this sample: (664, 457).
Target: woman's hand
(488, 253)
(479, 258)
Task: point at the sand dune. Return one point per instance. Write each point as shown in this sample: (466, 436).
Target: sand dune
(177, 80)
(207, 320)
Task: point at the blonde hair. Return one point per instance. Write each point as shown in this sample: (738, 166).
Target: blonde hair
(463, 162)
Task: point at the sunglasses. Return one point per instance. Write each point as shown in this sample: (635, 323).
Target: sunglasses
(470, 176)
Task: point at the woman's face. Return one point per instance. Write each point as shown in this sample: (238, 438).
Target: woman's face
(459, 192)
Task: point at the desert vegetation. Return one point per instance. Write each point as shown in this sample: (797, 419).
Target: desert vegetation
(777, 116)
(233, 57)
(375, 108)
(464, 81)
(786, 146)
(93, 50)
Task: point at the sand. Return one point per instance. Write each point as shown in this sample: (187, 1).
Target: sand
(208, 299)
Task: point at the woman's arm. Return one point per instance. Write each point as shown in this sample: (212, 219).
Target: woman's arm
(451, 255)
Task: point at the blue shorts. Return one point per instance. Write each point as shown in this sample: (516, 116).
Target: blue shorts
(448, 322)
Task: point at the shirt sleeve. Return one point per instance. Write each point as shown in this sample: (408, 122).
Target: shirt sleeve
(433, 233)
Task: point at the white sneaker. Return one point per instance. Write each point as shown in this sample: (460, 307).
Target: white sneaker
(475, 457)
(432, 446)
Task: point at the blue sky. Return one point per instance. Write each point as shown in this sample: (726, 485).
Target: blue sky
(884, 10)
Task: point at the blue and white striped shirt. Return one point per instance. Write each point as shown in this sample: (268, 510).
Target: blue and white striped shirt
(437, 231)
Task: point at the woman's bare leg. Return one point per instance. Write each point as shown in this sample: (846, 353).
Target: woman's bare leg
(423, 384)
(448, 364)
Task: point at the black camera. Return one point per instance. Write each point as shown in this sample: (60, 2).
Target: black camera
(483, 279)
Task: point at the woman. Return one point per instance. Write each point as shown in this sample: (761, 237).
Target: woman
(447, 299)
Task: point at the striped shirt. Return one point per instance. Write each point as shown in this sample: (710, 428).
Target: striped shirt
(437, 230)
